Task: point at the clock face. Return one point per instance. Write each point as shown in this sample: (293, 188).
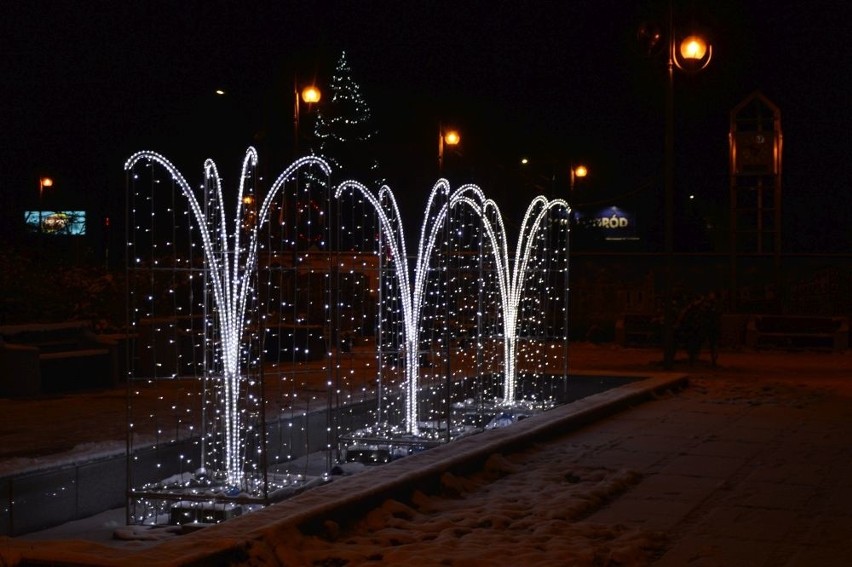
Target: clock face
(754, 152)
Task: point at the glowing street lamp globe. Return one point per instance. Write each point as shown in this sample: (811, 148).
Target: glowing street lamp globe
(311, 94)
(452, 138)
(693, 48)
(693, 54)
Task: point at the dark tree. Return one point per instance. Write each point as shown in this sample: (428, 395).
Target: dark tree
(344, 133)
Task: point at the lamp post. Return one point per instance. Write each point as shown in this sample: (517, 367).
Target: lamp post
(695, 54)
(577, 171)
(42, 183)
(309, 95)
(449, 137)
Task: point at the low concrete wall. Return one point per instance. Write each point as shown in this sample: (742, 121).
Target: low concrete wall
(37, 500)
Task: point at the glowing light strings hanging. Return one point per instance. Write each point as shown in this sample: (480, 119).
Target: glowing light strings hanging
(231, 263)
(511, 277)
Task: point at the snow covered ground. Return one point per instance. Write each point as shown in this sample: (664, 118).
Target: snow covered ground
(739, 470)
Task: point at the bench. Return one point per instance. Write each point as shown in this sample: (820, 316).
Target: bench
(54, 358)
(638, 329)
(798, 332)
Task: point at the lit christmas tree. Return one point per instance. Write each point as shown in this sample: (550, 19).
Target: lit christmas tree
(344, 133)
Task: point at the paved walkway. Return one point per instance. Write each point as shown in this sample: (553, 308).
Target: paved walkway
(736, 473)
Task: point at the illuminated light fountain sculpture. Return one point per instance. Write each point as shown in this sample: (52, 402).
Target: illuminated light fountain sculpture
(383, 441)
(198, 322)
(216, 299)
(512, 277)
(408, 434)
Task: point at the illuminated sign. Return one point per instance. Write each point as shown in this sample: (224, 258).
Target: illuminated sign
(614, 222)
(56, 222)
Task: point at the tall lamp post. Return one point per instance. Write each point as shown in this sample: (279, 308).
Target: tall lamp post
(578, 171)
(42, 183)
(309, 95)
(449, 137)
(692, 54)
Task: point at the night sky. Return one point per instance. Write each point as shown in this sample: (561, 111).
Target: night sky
(85, 84)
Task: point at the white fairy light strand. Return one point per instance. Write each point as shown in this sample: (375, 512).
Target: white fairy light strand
(230, 279)
(511, 278)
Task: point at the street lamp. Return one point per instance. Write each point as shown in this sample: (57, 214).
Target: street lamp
(42, 183)
(694, 55)
(694, 48)
(309, 95)
(449, 137)
(578, 171)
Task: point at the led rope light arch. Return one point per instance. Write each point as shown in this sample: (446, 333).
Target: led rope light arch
(411, 298)
(511, 277)
(230, 278)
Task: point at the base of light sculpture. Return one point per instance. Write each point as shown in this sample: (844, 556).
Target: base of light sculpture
(382, 443)
(483, 408)
(495, 414)
(199, 499)
(184, 513)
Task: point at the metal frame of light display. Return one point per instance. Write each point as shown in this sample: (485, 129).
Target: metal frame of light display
(224, 313)
(299, 328)
(446, 323)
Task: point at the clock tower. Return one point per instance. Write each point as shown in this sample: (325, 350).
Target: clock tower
(755, 182)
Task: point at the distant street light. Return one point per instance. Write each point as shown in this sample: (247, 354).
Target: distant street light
(42, 183)
(694, 55)
(449, 137)
(309, 95)
(578, 171)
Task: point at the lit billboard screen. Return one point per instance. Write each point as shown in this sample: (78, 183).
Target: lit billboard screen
(56, 222)
(613, 223)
